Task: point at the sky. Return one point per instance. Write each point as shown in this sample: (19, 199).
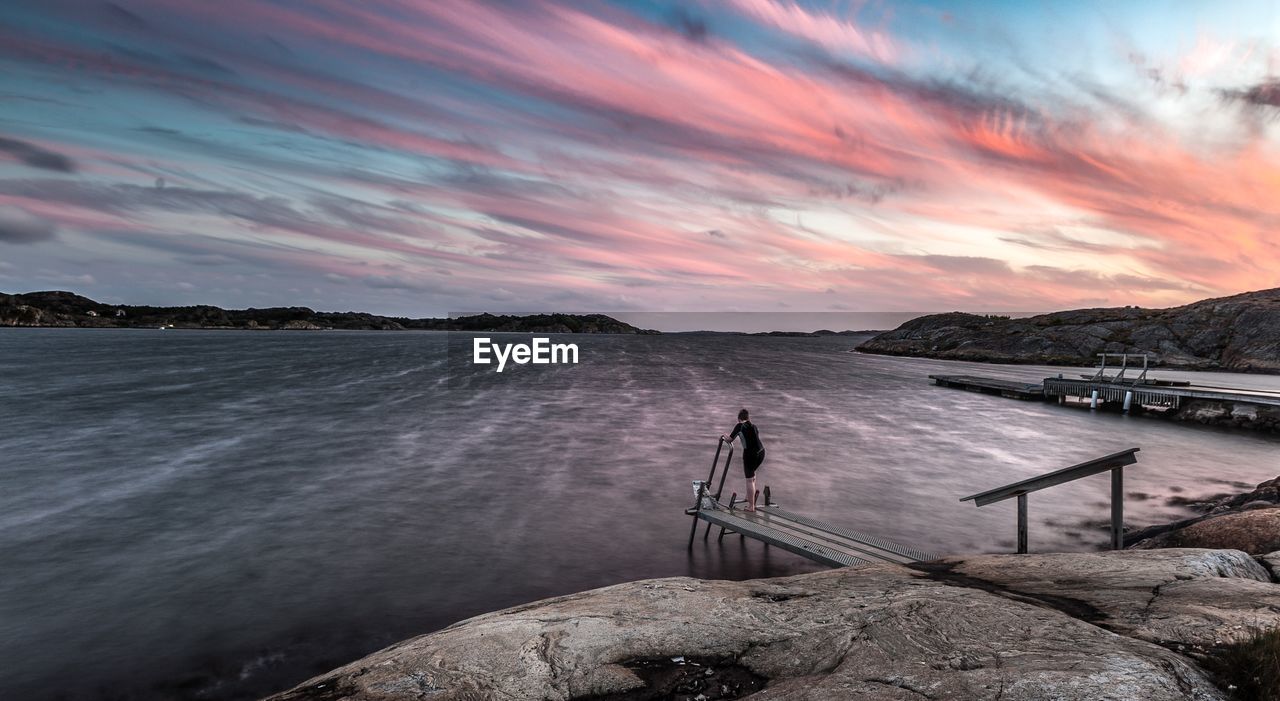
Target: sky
(422, 157)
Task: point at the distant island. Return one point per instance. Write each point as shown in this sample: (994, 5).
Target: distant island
(813, 334)
(1240, 333)
(789, 334)
(67, 309)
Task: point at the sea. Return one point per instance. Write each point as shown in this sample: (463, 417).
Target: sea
(223, 514)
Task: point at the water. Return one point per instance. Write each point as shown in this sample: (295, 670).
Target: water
(219, 515)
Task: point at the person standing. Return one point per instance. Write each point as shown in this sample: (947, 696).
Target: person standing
(752, 452)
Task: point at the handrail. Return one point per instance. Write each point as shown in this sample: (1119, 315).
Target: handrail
(1052, 479)
(1101, 374)
(702, 489)
(1114, 462)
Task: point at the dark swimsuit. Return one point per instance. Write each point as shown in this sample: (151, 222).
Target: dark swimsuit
(752, 448)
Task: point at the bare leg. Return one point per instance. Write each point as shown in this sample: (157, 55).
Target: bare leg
(751, 494)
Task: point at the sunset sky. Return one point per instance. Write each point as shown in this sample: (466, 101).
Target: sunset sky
(417, 157)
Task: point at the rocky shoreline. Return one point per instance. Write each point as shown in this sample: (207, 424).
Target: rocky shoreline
(68, 310)
(1226, 414)
(1239, 333)
(1249, 521)
(1151, 622)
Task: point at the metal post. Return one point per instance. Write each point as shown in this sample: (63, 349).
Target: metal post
(732, 498)
(1117, 508)
(1128, 400)
(728, 459)
(725, 473)
(697, 509)
(715, 461)
(1093, 400)
(1022, 523)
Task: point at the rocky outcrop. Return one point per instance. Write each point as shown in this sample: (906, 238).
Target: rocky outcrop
(1266, 493)
(1240, 333)
(69, 309)
(27, 315)
(1120, 625)
(1188, 599)
(1271, 561)
(1254, 531)
(1245, 415)
(300, 325)
(1255, 534)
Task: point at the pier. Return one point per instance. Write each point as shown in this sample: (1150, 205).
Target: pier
(836, 546)
(771, 524)
(988, 385)
(1130, 392)
(1170, 396)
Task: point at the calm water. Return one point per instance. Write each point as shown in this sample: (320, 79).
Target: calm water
(219, 515)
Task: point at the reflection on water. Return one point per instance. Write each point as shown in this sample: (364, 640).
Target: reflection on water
(222, 514)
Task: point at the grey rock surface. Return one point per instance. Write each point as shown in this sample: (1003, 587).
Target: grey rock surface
(1271, 561)
(1074, 626)
(1191, 597)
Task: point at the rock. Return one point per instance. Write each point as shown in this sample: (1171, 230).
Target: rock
(1240, 333)
(300, 325)
(1271, 561)
(1196, 598)
(1268, 491)
(1265, 495)
(1256, 531)
(1229, 413)
(1074, 626)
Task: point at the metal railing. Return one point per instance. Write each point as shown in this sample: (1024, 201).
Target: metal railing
(1114, 462)
(1101, 374)
(700, 488)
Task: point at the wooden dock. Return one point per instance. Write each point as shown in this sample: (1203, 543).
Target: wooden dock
(988, 385)
(807, 537)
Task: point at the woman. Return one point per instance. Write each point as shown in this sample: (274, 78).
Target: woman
(752, 453)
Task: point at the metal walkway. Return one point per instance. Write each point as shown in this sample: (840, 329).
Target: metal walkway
(804, 536)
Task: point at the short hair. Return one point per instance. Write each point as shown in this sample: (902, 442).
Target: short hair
(743, 415)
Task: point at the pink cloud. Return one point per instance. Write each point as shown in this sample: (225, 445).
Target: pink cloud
(822, 28)
(655, 140)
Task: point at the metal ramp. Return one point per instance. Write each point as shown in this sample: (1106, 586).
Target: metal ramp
(807, 537)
